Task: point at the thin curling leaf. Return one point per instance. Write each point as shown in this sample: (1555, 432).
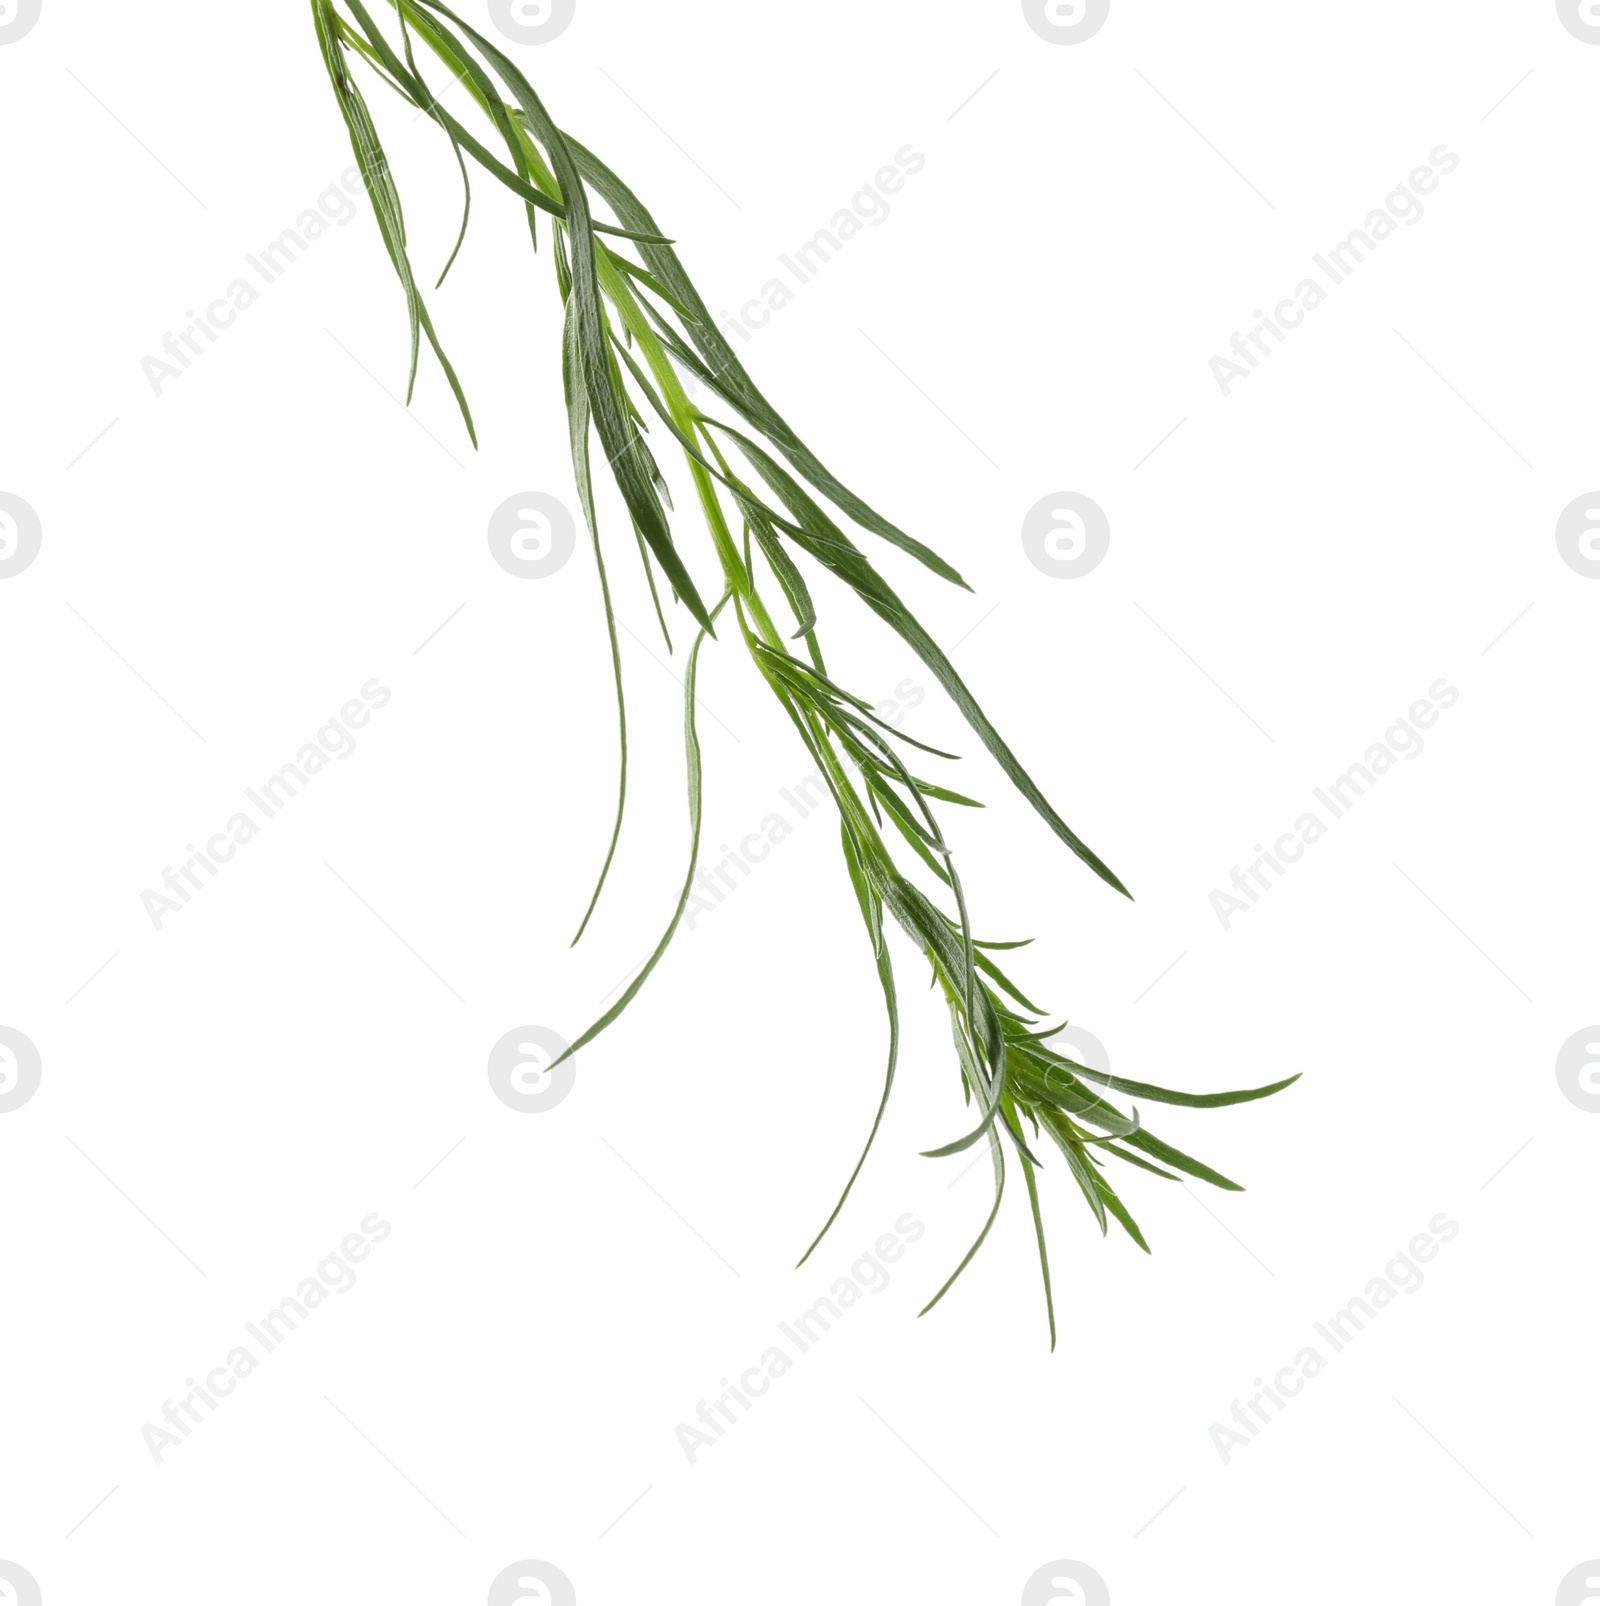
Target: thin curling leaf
(1004, 982)
(1191, 1101)
(984, 1129)
(861, 724)
(578, 420)
(978, 1242)
(872, 915)
(1143, 1165)
(691, 744)
(910, 830)
(1179, 1161)
(788, 576)
(1044, 1254)
(998, 1111)
(943, 794)
(1108, 1195)
(917, 914)
(455, 147)
(466, 218)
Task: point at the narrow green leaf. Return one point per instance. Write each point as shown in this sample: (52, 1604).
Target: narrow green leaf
(578, 422)
(944, 795)
(1179, 1161)
(789, 578)
(1120, 1211)
(999, 977)
(1044, 1254)
(1143, 1165)
(1192, 1101)
(691, 744)
(428, 103)
(1083, 1173)
(872, 915)
(966, 1259)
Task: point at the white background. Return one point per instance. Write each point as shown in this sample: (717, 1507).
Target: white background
(226, 564)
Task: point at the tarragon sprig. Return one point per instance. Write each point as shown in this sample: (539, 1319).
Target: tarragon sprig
(633, 329)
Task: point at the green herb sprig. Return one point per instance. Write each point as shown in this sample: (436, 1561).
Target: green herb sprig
(634, 327)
